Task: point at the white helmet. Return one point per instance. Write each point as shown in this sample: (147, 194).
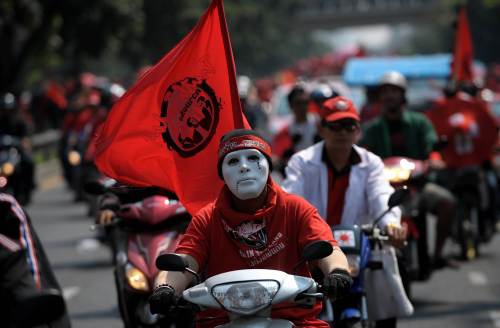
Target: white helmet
(393, 78)
(244, 83)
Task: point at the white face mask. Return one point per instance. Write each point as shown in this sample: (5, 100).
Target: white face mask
(245, 173)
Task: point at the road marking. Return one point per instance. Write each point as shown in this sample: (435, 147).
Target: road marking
(495, 317)
(50, 182)
(478, 278)
(70, 292)
(88, 245)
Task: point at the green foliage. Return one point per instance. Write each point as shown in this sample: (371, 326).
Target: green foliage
(51, 35)
(46, 37)
(259, 31)
(438, 36)
(262, 38)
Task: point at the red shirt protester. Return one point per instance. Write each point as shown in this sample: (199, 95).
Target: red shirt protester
(283, 226)
(469, 127)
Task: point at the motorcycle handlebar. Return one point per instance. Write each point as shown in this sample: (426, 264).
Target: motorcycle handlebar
(374, 232)
(116, 220)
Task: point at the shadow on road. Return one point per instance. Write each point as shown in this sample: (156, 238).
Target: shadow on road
(111, 312)
(430, 309)
(83, 265)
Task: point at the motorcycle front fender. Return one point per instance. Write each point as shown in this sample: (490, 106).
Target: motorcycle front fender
(257, 323)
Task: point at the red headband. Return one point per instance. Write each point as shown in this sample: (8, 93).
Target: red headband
(244, 142)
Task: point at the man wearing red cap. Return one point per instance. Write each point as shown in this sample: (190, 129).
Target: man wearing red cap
(347, 185)
(253, 224)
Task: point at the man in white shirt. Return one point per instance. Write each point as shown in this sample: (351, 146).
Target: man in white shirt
(346, 182)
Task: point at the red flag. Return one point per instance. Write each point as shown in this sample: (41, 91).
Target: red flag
(165, 130)
(461, 68)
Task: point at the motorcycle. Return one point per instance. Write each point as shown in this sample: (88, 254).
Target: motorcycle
(74, 148)
(30, 295)
(358, 242)
(414, 259)
(11, 174)
(466, 230)
(138, 234)
(39, 309)
(248, 295)
(77, 166)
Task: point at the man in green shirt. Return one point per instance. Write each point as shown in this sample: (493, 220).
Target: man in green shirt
(399, 132)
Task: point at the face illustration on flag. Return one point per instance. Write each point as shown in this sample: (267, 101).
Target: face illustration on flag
(190, 114)
(165, 130)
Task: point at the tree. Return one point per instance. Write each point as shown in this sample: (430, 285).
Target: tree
(259, 30)
(484, 23)
(45, 37)
(56, 33)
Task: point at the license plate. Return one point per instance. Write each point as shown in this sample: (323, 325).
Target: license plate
(345, 238)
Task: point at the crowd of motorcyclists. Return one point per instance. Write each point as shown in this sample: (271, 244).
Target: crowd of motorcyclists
(331, 154)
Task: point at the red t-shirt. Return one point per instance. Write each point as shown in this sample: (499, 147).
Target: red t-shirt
(470, 128)
(222, 239)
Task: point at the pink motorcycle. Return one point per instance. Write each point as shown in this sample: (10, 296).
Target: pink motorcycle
(140, 232)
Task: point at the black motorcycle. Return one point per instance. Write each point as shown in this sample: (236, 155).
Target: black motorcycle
(12, 178)
(466, 228)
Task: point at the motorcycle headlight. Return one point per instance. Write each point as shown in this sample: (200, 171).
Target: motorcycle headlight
(74, 158)
(246, 297)
(353, 261)
(8, 169)
(397, 174)
(136, 279)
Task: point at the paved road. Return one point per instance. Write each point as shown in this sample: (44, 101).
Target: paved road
(469, 297)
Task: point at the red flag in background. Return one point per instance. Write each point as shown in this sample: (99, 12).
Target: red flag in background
(165, 130)
(461, 67)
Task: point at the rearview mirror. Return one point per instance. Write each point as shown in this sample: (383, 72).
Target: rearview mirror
(171, 262)
(316, 250)
(94, 188)
(398, 197)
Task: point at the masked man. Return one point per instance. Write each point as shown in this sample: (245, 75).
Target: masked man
(253, 224)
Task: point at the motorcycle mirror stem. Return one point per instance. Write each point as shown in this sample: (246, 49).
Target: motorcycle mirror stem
(94, 188)
(315, 250)
(175, 262)
(397, 198)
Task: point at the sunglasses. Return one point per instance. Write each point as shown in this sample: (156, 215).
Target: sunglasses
(349, 126)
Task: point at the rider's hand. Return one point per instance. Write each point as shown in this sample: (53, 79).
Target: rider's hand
(337, 284)
(162, 299)
(397, 234)
(436, 164)
(104, 217)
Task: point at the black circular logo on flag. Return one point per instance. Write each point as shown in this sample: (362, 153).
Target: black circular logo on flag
(189, 116)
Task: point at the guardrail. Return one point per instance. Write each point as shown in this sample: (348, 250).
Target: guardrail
(45, 145)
